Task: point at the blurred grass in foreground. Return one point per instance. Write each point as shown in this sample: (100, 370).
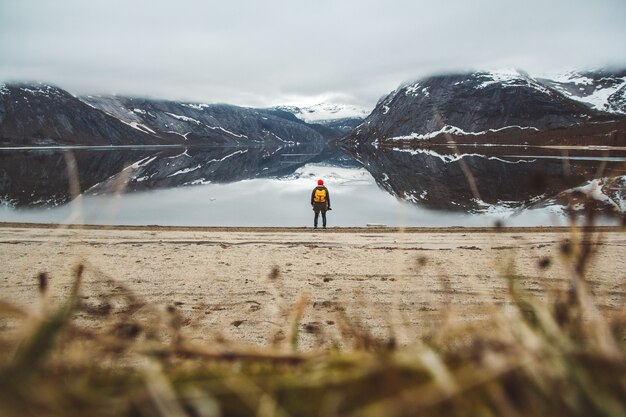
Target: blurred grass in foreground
(557, 357)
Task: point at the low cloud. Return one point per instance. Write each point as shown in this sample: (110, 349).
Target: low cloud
(259, 53)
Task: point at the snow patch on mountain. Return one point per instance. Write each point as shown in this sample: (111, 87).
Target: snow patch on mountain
(456, 131)
(567, 77)
(227, 131)
(196, 106)
(416, 90)
(183, 135)
(183, 118)
(140, 127)
(41, 90)
(599, 99)
(288, 142)
(140, 111)
(509, 78)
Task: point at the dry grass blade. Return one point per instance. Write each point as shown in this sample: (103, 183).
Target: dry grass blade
(42, 342)
(471, 180)
(548, 353)
(297, 314)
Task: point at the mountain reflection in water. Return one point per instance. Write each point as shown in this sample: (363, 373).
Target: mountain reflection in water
(476, 180)
(271, 187)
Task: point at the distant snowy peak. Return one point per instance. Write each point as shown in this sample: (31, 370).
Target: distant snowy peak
(217, 124)
(324, 112)
(601, 90)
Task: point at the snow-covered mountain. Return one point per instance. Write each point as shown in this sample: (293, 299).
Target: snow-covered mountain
(397, 142)
(39, 114)
(601, 90)
(509, 106)
(217, 124)
(325, 112)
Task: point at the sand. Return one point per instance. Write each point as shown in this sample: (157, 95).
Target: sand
(243, 285)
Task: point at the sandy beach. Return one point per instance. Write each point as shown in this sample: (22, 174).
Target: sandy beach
(246, 285)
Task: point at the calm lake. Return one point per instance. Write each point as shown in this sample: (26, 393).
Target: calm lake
(272, 187)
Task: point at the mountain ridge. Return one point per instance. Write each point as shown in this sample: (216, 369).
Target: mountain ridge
(41, 114)
(508, 105)
(37, 114)
(480, 102)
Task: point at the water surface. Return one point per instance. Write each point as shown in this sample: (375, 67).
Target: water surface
(271, 187)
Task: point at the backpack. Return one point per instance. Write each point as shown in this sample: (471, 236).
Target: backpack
(320, 195)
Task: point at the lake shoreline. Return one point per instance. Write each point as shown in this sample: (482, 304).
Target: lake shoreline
(241, 284)
(265, 229)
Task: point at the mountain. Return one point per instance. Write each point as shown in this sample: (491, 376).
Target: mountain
(473, 107)
(404, 142)
(323, 112)
(342, 125)
(216, 124)
(39, 114)
(337, 117)
(602, 90)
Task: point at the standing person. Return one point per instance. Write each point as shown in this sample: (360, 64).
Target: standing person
(320, 200)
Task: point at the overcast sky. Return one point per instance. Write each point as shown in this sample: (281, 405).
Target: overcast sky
(261, 53)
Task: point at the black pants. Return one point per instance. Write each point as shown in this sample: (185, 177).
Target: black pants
(319, 209)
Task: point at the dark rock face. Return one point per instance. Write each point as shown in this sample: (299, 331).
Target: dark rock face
(472, 103)
(35, 114)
